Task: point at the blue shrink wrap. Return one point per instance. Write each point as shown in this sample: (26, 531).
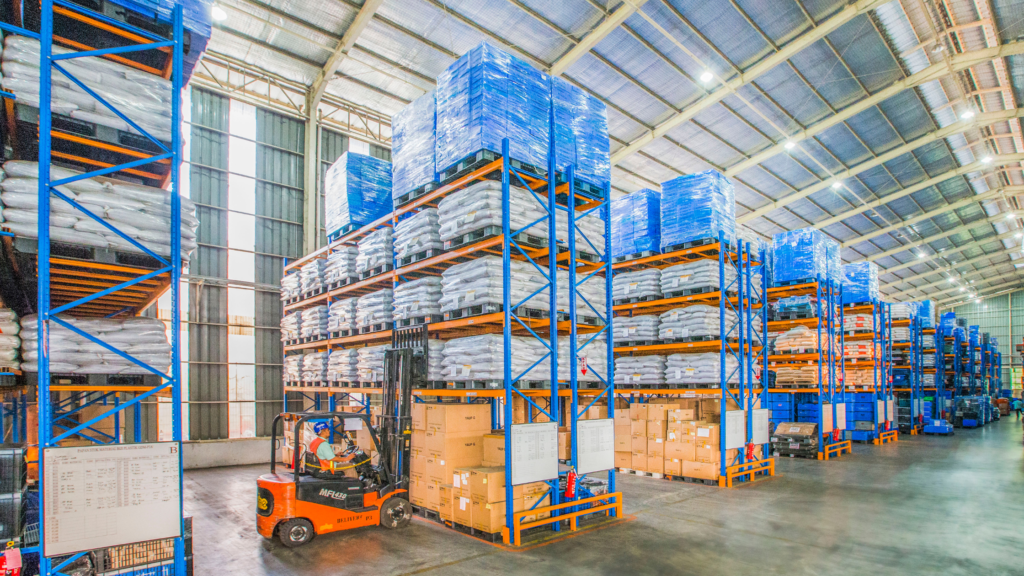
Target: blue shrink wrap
(860, 282)
(412, 145)
(697, 206)
(948, 322)
(799, 255)
(196, 15)
(486, 96)
(973, 337)
(636, 223)
(580, 133)
(926, 313)
(833, 262)
(358, 191)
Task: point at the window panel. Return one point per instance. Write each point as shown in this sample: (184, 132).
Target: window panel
(241, 266)
(241, 193)
(241, 231)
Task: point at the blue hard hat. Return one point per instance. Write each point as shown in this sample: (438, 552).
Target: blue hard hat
(319, 427)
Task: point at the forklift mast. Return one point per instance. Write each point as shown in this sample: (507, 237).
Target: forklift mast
(405, 367)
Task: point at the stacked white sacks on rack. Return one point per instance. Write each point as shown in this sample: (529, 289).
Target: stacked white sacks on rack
(375, 251)
(858, 323)
(311, 275)
(417, 234)
(293, 368)
(903, 310)
(419, 298)
(375, 308)
(633, 328)
(314, 322)
(928, 360)
(291, 325)
(370, 363)
(342, 365)
(435, 360)
(702, 368)
(342, 315)
(341, 265)
(640, 370)
(860, 377)
(864, 350)
(697, 274)
(800, 339)
(479, 282)
(10, 342)
(290, 286)
(640, 284)
(70, 353)
(900, 334)
(314, 367)
(479, 206)
(928, 380)
(483, 358)
(140, 212)
(590, 295)
(803, 376)
(589, 231)
(699, 321)
(591, 359)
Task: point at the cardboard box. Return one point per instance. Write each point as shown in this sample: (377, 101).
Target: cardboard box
(638, 427)
(638, 461)
(445, 508)
(595, 412)
(462, 510)
(466, 452)
(487, 484)
(709, 433)
(459, 418)
(488, 516)
(533, 501)
(433, 494)
(656, 411)
(638, 411)
(444, 443)
(418, 462)
(674, 432)
(563, 443)
(690, 428)
(494, 450)
(622, 436)
(622, 417)
(656, 464)
(655, 448)
(623, 460)
(657, 428)
(673, 467)
(417, 491)
(638, 444)
(419, 416)
(680, 450)
(682, 415)
(712, 454)
(419, 439)
(703, 470)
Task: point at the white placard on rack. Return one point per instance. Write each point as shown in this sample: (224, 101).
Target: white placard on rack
(595, 445)
(761, 423)
(880, 414)
(826, 418)
(534, 452)
(100, 496)
(841, 415)
(892, 409)
(735, 429)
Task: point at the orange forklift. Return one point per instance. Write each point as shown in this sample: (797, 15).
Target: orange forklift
(299, 505)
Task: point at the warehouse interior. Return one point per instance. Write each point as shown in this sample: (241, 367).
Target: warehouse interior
(569, 279)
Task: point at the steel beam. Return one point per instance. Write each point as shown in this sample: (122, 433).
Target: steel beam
(610, 23)
(950, 270)
(366, 12)
(1000, 289)
(934, 237)
(947, 253)
(969, 287)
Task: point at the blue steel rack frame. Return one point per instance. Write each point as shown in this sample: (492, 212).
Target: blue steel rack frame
(830, 363)
(884, 392)
(172, 265)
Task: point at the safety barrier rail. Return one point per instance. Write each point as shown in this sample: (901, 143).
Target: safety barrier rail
(515, 538)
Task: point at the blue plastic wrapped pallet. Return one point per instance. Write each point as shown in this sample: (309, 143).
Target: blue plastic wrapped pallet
(196, 16)
(860, 282)
(636, 223)
(486, 96)
(800, 255)
(926, 313)
(412, 146)
(358, 191)
(580, 132)
(973, 338)
(697, 206)
(948, 322)
(833, 262)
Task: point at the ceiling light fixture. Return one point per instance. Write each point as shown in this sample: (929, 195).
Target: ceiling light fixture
(789, 145)
(939, 47)
(967, 115)
(921, 255)
(962, 288)
(707, 76)
(987, 160)
(218, 13)
(837, 185)
(1011, 216)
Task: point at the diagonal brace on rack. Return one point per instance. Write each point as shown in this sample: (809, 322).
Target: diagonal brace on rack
(109, 291)
(137, 400)
(532, 403)
(120, 353)
(111, 169)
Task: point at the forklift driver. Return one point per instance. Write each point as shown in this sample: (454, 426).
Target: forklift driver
(326, 461)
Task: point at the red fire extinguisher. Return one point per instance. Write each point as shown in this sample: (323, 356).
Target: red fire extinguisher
(835, 434)
(10, 561)
(570, 484)
(750, 450)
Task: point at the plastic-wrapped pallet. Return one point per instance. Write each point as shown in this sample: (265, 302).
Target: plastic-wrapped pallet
(412, 145)
(640, 370)
(900, 334)
(314, 367)
(314, 322)
(342, 366)
(479, 281)
(479, 206)
(928, 380)
(589, 231)
(357, 191)
(928, 360)
(375, 308)
(800, 255)
(483, 358)
(860, 282)
(639, 284)
(142, 213)
(926, 313)
(903, 310)
(631, 328)
(418, 233)
(695, 321)
(370, 362)
(591, 360)
(486, 96)
(833, 262)
(697, 206)
(311, 275)
(341, 264)
(10, 342)
(342, 315)
(293, 368)
(701, 369)
(796, 304)
(376, 250)
(291, 325)
(141, 337)
(290, 286)
(580, 133)
(421, 297)
(697, 274)
(858, 322)
(636, 223)
(435, 360)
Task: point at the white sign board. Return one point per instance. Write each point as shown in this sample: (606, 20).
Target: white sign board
(892, 409)
(735, 429)
(761, 423)
(595, 445)
(826, 418)
(880, 415)
(841, 415)
(534, 452)
(100, 496)
(918, 407)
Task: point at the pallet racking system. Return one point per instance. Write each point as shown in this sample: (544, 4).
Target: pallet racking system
(81, 284)
(881, 389)
(950, 350)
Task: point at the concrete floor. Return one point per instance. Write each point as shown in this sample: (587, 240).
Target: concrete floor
(927, 505)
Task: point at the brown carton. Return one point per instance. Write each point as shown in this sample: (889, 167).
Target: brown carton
(655, 448)
(417, 491)
(638, 461)
(488, 516)
(656, 411)
(419, 439)
(459, 418)
(445, 506)
(433, 494)
(592, 413)
(623, 460)
(709, 433)
(674, 432)
(418, 462)
(465, 452)
(622, 417)
(623, 442)
(712, 454)
(638, 411)
(563, 443)
(673, 467)
(681, 415)
(638, 444)
(488, 484)
(680, 450)
(462, 510)
(657, 428)
(531, 502)
(702, 470)
(638, 428)
(690, 428)
(444, 443)
(419, 416)
(656, 464)
(460, 480)
(494, 450)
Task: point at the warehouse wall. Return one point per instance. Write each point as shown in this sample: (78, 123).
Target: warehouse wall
(1000, 316)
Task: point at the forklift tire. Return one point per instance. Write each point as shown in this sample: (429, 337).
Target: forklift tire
(296, 532)
(395, 513)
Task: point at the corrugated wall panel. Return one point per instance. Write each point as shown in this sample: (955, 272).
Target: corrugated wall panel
(332, 146)
(993, 315)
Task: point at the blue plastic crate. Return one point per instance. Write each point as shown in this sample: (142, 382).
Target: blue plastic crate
(862, 406)
(863, 416)
(864, 397)
(697, 206)
(782, 405)
(861, 435)
(807, 406)
(783, 415)
(780, 397)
